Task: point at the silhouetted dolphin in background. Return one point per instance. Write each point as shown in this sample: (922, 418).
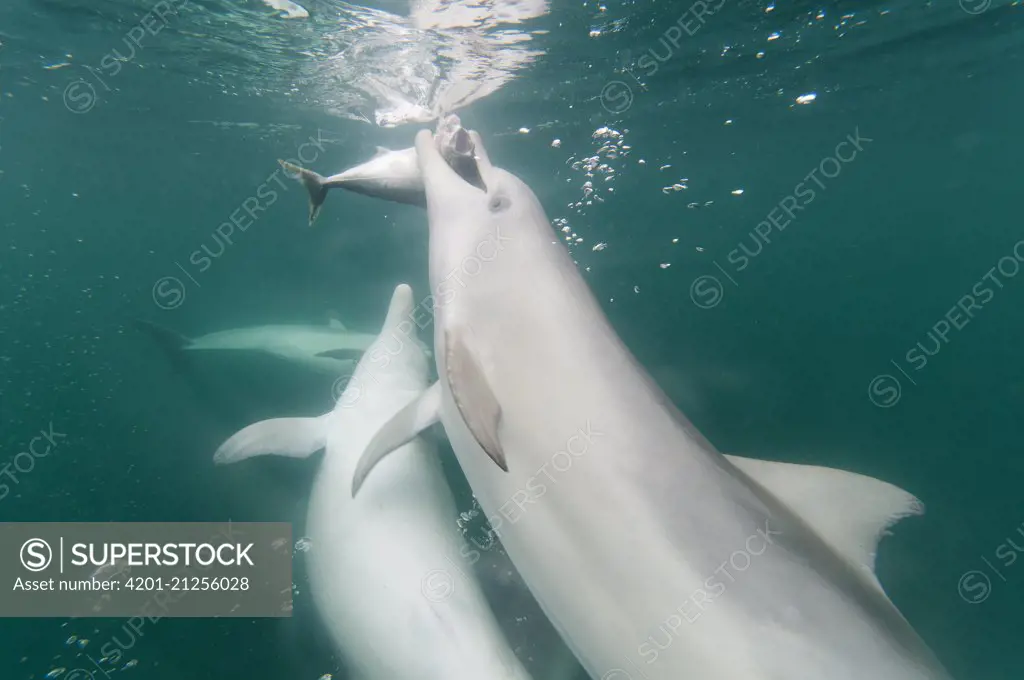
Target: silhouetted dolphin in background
(244, 374)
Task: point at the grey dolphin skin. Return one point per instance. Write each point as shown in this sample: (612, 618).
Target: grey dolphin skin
(654, 555)
(391, 175)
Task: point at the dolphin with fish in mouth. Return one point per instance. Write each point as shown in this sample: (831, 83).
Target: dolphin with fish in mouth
(384, 568)
(655, 556)
(391, 175)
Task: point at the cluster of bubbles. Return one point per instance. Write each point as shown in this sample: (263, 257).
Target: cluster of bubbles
(599, 171)
(599, 167)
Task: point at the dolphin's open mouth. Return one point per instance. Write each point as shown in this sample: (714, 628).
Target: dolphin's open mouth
(457, 149)
(462, 144)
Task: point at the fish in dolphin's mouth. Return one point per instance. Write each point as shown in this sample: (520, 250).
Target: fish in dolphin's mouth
(394, 175)
(457, 149)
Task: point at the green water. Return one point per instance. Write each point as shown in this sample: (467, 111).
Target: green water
(804, 347)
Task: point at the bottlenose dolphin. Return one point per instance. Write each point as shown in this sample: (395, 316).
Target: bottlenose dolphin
(386, 569)
(330, 349)
(655, 556)
(391, 175)
(246, 374)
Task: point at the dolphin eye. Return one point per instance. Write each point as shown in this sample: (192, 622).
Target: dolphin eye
(499, 203)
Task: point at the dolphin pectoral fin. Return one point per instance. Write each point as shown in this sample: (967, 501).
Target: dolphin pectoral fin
(850, 512)
(474, 397)
(343, 354)
(314, 184)
(291, 437)
(418, 415)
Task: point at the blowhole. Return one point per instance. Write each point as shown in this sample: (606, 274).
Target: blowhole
(499, 203)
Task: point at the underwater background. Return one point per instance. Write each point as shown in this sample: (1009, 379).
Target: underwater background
(803, 218)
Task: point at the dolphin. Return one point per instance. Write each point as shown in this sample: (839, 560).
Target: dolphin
(387, 572)
(330, 349)
(655, 556)
(391, 175)
(246, 374)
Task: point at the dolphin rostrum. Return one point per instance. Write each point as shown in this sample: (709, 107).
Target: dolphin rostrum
(655, 556)
(387, 572)
(391, 175)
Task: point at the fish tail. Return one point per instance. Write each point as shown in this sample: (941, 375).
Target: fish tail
(314, 184)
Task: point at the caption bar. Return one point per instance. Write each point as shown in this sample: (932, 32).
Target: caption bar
(159, 569)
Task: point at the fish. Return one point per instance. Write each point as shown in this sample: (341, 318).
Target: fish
(654, 555)
(390, 175)
(387, 573)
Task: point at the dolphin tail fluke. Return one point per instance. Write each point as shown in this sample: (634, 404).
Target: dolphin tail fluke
(172, 343)
(314, 184)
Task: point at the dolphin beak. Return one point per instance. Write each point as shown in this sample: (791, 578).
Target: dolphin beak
(483, 161)
(442, 183)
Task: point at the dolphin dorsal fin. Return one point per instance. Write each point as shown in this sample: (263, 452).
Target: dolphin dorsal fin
(333, 321)
(336, 324)
(850, 512)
